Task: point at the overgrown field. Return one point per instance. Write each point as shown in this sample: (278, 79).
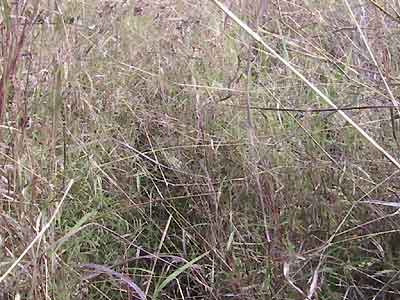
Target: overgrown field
(157, 150)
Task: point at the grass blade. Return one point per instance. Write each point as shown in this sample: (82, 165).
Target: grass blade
(176, 273)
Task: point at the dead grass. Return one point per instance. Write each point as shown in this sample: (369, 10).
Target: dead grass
(137, 163)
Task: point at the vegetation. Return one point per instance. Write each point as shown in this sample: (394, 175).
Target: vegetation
(192, 150)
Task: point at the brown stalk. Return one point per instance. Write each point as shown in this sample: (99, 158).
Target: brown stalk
(13, 42)
(262, 184)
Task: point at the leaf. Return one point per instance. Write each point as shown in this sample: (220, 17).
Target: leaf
(176, 273)
(116, 275)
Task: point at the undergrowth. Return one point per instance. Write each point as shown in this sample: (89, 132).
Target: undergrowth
(156, 150)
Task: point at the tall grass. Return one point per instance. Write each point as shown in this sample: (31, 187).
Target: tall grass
(199, 150)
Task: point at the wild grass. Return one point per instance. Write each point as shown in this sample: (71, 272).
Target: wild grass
(199, 150)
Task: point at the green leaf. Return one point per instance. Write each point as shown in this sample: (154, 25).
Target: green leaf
(176, 273)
